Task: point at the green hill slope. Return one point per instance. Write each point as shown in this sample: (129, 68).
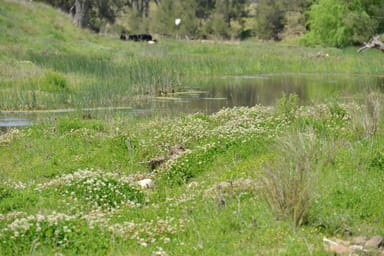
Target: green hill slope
(31, 33)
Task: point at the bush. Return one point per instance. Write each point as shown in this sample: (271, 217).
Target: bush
(53, 82)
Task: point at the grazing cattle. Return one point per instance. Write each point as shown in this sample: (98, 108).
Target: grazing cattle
(140, 37)
(123, 36)
(133, 38)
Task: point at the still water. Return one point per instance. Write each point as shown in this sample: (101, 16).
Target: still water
(213, 94)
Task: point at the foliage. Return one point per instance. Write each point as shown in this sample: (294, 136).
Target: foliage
(61, 232)
(288, 106)
(337, 23)
(269, 19)
(97, 189)
(352, 22)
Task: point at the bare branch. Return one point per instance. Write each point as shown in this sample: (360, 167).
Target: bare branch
(374, 42)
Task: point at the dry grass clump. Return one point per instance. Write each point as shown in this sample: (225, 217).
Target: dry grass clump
(290, 178)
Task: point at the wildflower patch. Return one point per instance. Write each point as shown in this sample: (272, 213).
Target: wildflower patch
(97, 189)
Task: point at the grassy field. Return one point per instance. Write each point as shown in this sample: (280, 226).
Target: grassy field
(247, 181)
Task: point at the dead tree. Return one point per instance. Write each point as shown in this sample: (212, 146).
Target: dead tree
(374, 42)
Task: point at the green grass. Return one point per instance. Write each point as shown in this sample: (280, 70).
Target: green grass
(68, 183)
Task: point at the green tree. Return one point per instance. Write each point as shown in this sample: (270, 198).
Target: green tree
(269, 19)
(164, 18)
(186, 11)
(227, 18)
(375, 9)
(278, 18)
(339, 23)
(94, 13)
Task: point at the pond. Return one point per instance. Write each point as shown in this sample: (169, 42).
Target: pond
(213, 94)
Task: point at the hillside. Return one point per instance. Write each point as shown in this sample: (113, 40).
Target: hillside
(31, 30)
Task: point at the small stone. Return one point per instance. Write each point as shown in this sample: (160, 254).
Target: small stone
(375, 242)
(146, 183)
(193, 184)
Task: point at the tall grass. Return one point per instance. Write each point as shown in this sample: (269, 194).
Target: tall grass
(290, 180)
(104, 76)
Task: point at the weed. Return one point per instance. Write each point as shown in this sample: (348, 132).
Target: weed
(366, 118)
(288, 106)
(290, 178)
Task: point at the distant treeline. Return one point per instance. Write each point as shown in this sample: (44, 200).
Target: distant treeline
(317, 22)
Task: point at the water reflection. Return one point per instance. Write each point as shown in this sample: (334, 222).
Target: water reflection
(10, 122)
(212, 94)
(215, 94)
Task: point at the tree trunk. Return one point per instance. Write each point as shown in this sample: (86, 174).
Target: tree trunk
(373, 43)
(80, 13)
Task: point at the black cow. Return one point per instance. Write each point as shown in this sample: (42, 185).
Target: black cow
(140, 37)
(123, 36)
(133, 38)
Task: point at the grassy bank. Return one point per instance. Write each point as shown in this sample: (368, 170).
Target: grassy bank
(265, 181)
(243, 181)
(47, 63)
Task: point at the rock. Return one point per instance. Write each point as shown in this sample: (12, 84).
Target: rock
(375, 242)
(359, 240)
(339, 249)
(357, 247)
(336, 248)
(146, 183)
(232, 188)
(193, 184)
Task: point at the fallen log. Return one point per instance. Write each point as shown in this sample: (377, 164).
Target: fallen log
(374, 42)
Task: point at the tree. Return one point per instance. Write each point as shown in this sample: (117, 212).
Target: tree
(269, 19)
(80, 11)
(339, 23)
(227, 18)
(278, 18)
(375, 9)
(164, 18)
(94, 13)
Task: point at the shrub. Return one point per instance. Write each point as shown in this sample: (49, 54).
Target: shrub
(288, 106)
(53, 82)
